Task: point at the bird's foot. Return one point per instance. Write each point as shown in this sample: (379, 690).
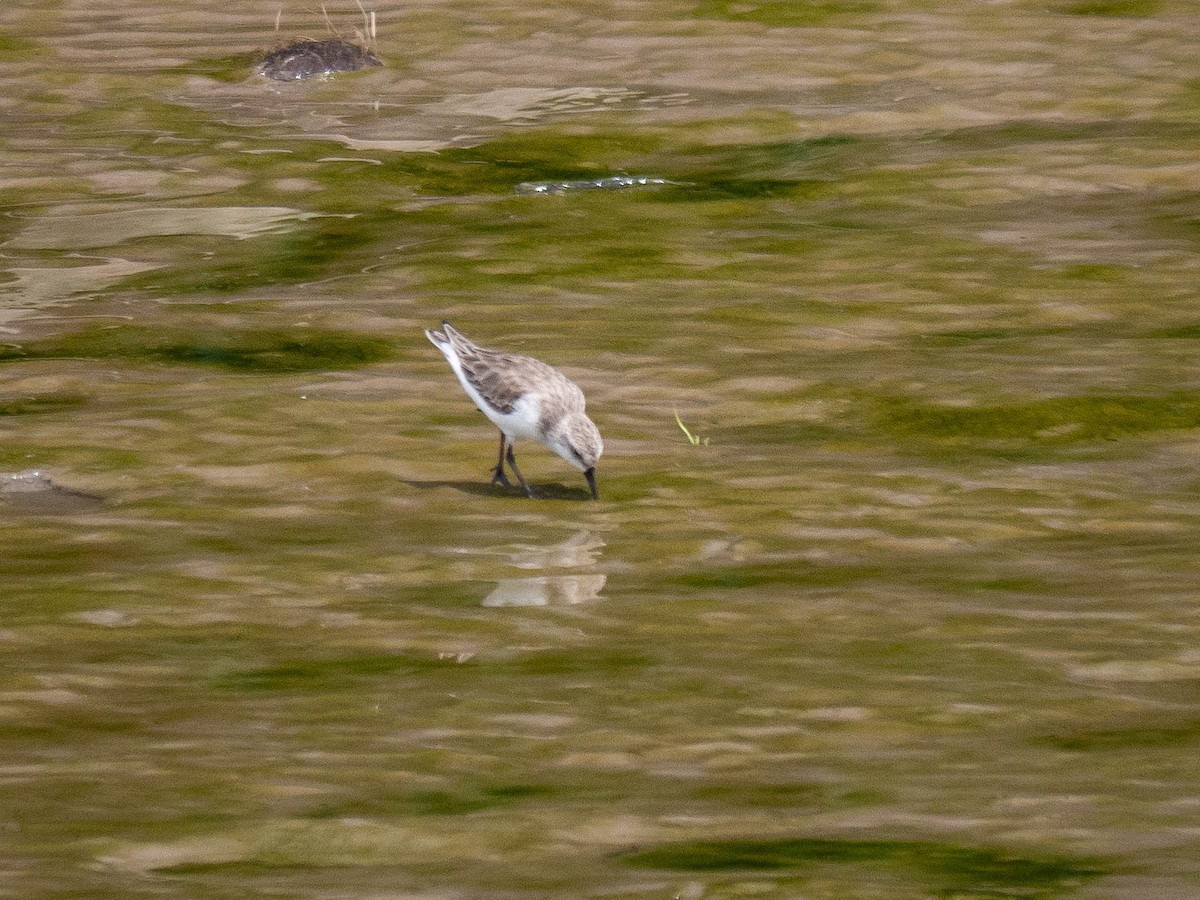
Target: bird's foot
(498, 477)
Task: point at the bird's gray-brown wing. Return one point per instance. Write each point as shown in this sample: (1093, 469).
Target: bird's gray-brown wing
(501, 378)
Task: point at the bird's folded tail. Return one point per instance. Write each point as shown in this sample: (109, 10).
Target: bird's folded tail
(451, 339)
(439, 339)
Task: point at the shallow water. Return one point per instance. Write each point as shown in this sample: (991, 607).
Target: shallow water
(914, 616)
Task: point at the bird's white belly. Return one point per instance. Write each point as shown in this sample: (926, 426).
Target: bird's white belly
(520, 424)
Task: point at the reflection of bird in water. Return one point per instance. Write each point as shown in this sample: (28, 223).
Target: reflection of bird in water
(578, 551)
(549, 590)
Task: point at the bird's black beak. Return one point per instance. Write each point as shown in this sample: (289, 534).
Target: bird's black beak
(590, 475)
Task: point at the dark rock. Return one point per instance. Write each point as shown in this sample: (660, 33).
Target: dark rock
(305, 57)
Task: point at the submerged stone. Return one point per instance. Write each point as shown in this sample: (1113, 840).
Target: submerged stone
(33, 491)
(614, 182)
(306, 57)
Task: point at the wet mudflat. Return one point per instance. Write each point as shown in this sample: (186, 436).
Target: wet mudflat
(908, 611)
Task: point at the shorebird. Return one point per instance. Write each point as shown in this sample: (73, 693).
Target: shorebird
(524, 398)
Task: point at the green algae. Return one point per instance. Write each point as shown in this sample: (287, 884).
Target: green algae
(694, 171)
(352, 212)
(465, 799)
(235, 67)
(345, 671)
(780, 795)
(1031, 133)
(792, 573)
(968, 336)
(1119, 9)
(14, 48)
(1106, 273)
(956, 871)
(1054, 421)
(337, 673)
(40, 404)
(784, 13)
(246, 350)
(319, 248)
(787, 431)
(578, 661)
(1138, 737)
(1188, 331)
(353, 231)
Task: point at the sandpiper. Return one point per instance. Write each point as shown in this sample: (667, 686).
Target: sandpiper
(525, 398)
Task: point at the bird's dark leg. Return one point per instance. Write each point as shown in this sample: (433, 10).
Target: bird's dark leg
(498, 476)
(513, 463)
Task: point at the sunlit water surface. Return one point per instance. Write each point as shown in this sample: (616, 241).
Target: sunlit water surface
(887, 312)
